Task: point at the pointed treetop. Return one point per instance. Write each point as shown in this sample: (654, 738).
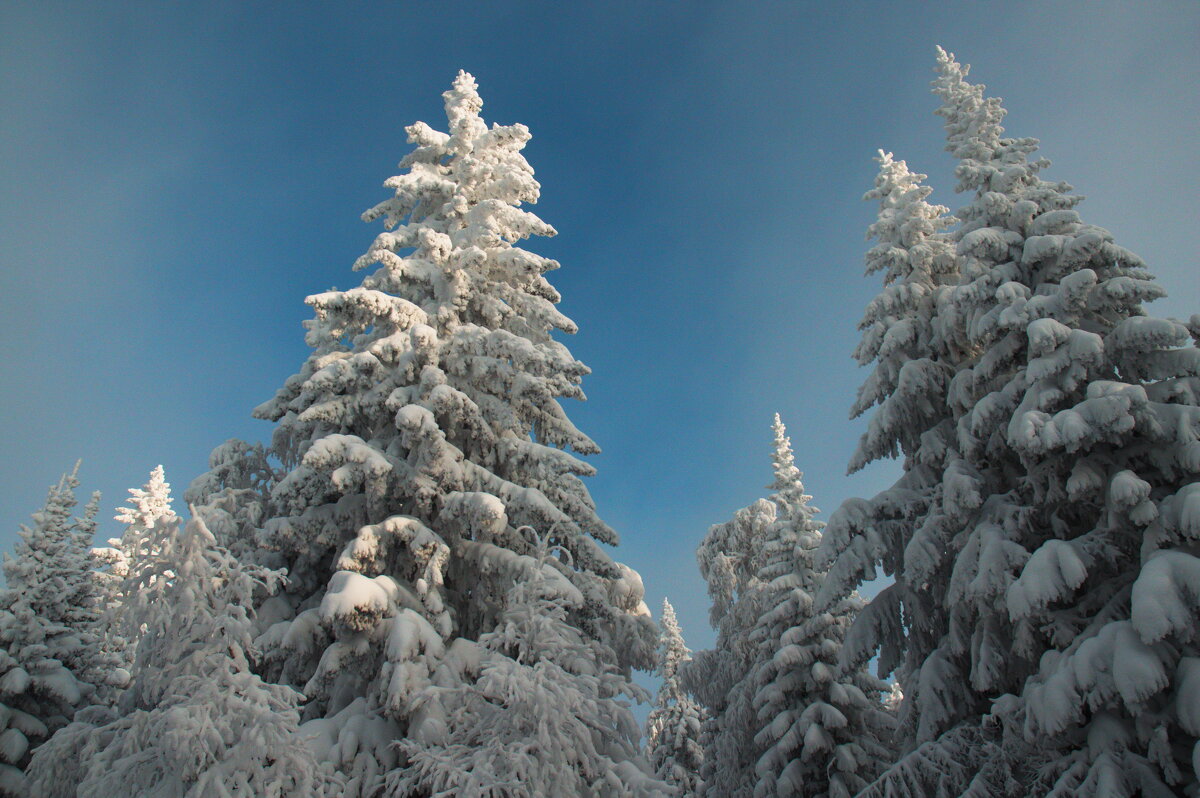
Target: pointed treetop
(148, 503)
(46, 547)
(670, 624)
(669, 614)
(52, 522)
(904, 229)
(781, 455)
(896, 187)
(463, 106)
(895, 181)
(60, 500)
(673, 650)
(973, 127)
(86, 525)
(788, 479)
(465, 84)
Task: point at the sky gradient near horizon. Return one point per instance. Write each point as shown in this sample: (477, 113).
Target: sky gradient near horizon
(176, 178)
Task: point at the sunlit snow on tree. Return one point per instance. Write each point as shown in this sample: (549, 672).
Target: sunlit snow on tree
(422, 432)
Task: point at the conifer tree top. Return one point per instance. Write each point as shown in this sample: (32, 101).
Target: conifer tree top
(788, 482)
(674, 650)
(969, 115)
(463, 106)
(974, 133)
(905, 220)
(149, 502)
(45, 547)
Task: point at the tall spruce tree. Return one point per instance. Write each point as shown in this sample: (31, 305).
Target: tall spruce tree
(1060, 664)
(785, 718)
(719, 677)
(673, 726)
(424, 429)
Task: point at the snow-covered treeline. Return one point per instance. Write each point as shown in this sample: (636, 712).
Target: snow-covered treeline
(409, 590)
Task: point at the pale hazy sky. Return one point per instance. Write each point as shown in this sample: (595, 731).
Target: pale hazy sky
(175, 178)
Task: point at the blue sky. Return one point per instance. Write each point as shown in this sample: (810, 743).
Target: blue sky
(175, 178)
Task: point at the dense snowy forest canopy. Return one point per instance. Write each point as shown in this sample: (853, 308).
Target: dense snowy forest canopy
(409, 590)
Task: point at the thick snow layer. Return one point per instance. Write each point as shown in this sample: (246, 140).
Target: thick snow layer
(1166, 596)
(1052, 573)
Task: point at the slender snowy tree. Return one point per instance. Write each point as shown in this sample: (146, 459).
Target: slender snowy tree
(425, 427)
(37, 690)
(149, 505)
(719, 678)
(823, 731)
(916, 257)
(786, 719)
(916, 355)
(195, 720)
(1060, 663)
(542, 715)
(673, 726)
(49, 665)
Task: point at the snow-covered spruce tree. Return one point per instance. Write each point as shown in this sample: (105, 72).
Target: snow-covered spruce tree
(48, 660)
(785, 719)
(916, 355)
(719, 677)
(823, 731)
(542, 714)
(1069, 501)
(916, 258)
(195, 721)
(149, 505)
(673, 726)
(423, 430)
